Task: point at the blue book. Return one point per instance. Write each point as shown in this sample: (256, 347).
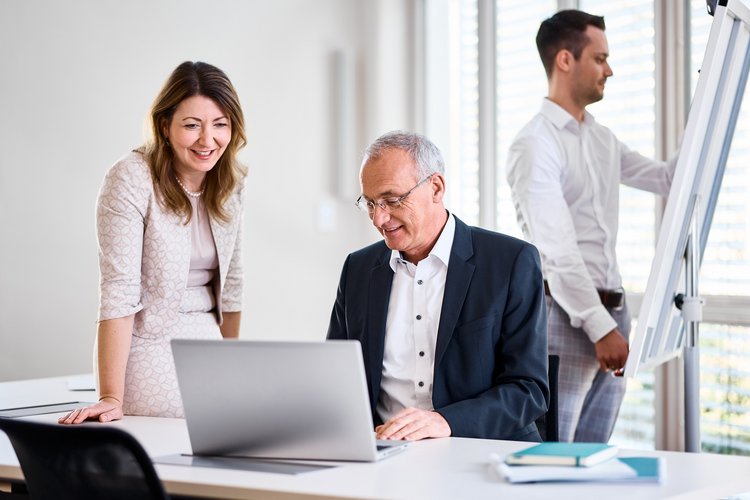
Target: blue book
(646, 468)
(571, 454)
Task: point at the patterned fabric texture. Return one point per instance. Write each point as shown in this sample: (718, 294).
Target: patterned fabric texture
(144, 260)
(588, 398)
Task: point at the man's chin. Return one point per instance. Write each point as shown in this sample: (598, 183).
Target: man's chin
(393, 243)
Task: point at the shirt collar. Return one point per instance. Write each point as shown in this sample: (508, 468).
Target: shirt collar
(442, 248)
(560, 118)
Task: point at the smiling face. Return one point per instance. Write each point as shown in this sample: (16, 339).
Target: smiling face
(198, 135)
(415, 226)
(590, 72)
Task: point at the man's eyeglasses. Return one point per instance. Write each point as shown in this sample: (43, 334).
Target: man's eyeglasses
(387, 205)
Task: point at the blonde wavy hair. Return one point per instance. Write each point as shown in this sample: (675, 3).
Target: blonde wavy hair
(187, 80)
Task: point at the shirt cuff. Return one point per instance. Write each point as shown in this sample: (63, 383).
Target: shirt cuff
(599, 324)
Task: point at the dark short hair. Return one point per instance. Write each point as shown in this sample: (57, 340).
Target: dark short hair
(566, 30)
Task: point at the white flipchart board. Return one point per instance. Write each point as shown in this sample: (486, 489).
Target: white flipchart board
(659, 335)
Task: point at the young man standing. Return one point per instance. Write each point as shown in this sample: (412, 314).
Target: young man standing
(564, 170)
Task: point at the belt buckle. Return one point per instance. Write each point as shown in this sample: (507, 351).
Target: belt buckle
(621, 291)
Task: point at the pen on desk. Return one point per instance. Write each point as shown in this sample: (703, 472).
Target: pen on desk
(495, 464)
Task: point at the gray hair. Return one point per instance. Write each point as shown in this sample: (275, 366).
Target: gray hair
(421, 150)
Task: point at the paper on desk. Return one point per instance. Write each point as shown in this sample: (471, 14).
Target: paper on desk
(81, 382)
(637, 469)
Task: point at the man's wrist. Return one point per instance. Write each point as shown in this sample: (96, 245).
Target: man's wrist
(599, 325)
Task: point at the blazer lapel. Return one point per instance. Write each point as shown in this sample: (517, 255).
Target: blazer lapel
(222, 234)
(457, 281)
(379, 294)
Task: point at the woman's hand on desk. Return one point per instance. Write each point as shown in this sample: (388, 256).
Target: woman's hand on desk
(106, 410)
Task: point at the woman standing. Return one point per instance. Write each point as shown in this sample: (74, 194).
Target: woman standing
(169, 218)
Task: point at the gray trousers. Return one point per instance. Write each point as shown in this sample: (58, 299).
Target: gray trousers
(589, 399)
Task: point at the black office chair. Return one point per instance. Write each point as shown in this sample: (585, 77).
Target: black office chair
(88, 461)
(548, 423)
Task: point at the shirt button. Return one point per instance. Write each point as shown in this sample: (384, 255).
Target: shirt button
(419, 316)
(419, 282)
(421, 354)
(421, 384)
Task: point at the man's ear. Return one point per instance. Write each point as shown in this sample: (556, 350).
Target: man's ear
(564, 60)
(437, 185)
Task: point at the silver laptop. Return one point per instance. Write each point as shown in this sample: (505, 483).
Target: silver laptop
(289, 400)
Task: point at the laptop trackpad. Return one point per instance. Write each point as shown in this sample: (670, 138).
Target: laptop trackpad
(240, 463)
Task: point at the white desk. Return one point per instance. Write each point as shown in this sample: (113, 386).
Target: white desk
(452, 468)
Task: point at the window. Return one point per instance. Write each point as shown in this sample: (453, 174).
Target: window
(452, 119)
(725, 276)
(725, 389)
(452, 76)
(521, 85)
(628, 109)
(451, 113)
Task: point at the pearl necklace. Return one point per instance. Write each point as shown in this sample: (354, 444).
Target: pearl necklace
(194, 194)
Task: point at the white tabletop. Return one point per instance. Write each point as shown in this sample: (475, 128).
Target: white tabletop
(448, 468)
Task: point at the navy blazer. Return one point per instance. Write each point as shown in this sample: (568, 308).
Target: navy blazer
(490, 374)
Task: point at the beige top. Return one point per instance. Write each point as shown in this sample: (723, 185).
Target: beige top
(203, 258)
(145, 250)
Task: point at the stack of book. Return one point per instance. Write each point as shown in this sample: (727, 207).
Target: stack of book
(559, 462)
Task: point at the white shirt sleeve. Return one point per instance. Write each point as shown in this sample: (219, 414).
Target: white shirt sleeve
(644, 173)
(535, 169)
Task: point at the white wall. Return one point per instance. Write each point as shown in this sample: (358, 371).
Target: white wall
(76, 83)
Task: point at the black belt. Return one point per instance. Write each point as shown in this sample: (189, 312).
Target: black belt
(609, 298)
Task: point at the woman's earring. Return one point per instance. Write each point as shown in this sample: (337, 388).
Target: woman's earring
(166, 140)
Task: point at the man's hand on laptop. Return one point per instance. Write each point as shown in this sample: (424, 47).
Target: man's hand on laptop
(412, 424)
(106, 410)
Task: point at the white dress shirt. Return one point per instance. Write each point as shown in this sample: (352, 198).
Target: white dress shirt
(565, 176)
(411, 327)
